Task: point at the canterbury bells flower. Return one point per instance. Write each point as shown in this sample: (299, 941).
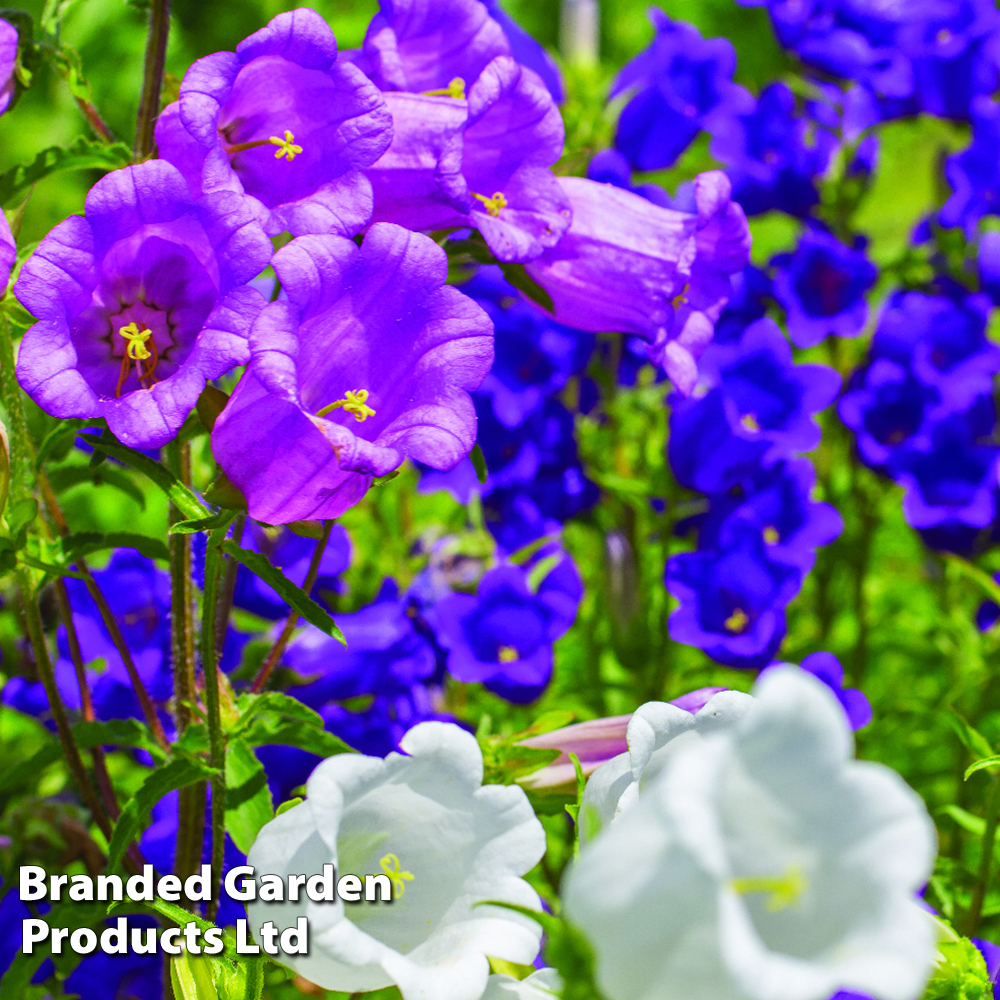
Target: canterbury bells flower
(656, 733)
(763, 863)
(448, 843)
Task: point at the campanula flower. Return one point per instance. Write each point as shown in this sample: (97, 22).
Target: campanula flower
(8, 62)
(757, 408)
(503, 636)
(763, 862)
(8, 251)
(656, 731)
(751, 291)
(285, 124)
(826, 667)
(773, 156)
(942, 341)
(628, 265)
(682, 84)
(732, 600)
(479, 160)
(974, 174)
(139, 302)
(822, 286)
(369, 361)
(448, 843)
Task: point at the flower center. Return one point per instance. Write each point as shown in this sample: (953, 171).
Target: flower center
(455, 89)
(354, 401)
(771, 535)
(681, 297)
(749, 422)
(507, 654)
(286, 146)
(137, 351)
(390, 865)
(783, 890)
(737, 622)
(494, 204)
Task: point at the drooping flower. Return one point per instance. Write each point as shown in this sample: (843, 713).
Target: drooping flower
(139, 302)
(630, 266)
(764, 862)
(757, 409)
(452, 844)
(822, 286)
(776, 502)
(656, 731)
(503, 636)
(284, 123)
(683, 84)
(482, 162)
(772, 156)
(367, 363)
(8, 251)
(826, 667)
(732, 600)
(8, 63)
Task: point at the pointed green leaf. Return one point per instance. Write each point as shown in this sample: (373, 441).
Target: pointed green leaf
(81, 154)
(248, 798)
(84, 543)
(68, 476)
(980, 765)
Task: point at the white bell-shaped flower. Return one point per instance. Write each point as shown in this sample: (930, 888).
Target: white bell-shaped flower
(448, 841)
(656, 732)
(762, 863)
(545, 984)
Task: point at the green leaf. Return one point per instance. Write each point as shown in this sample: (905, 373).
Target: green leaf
(267, 731)
(84, 543)
(974, 741)
(135, 816)
(259, 565)
(68, 476)
(541, 570)
(19, 515)
(192, 977)
(980, 765)
(178, 494)
(223, 494)
(251, 705)
(290, 804)
(517, 275)
(248, 799)
(478, 460)
(210, 523)
(81, 154)
(53, 13)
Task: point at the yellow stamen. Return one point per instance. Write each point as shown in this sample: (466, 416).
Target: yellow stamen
(737, 622)
(749, 422)
(287, 146)
(354, 401)
(494, 204)
(390, 865)
(771, 535)
(455, 89)
(136, 349)
(507, 654)
(783, 890)
(681, 297)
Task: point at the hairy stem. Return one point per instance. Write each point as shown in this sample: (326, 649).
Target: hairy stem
(152, 78)
(217, 744)
(289, 627)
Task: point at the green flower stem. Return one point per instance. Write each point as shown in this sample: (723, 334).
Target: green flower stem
(46, 673)
(227, 590)
(152, 78)
(286, 633)
(217, 743)
(985, 859)
(17, 427)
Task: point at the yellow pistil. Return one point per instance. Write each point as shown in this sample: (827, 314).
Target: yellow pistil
(737, 622)
(354, 401)
(749, 422)
(681, 297)
(390, 865)
(783, 890)
(455, 89)
(507, 654)
(137, 351)
(771, 535)
(286, 146)
(494, 204)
